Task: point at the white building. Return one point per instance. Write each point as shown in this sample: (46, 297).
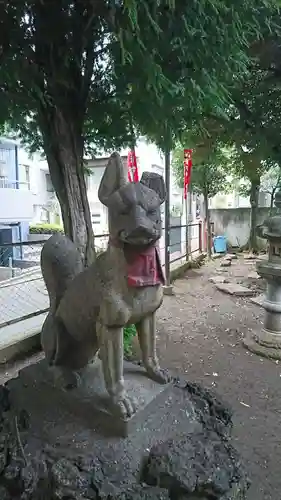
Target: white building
(232, 199)
(34, 173)
(15, 198)
(148, 159)
(34, 201)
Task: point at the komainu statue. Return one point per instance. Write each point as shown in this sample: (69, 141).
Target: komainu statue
(90, 307)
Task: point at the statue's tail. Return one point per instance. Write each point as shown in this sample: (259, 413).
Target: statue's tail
(60, 263)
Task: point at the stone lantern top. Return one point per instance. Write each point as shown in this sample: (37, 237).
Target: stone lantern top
(270, 229)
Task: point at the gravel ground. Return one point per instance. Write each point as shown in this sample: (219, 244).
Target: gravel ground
(200, 331)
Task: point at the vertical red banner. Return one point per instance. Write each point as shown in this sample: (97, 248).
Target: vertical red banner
(133, 175)
(187, 166)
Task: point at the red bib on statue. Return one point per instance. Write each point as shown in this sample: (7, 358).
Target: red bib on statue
(144, 268)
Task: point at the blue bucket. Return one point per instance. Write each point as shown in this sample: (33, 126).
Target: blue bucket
(220, 244)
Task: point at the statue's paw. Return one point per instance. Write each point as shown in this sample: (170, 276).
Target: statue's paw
(66, 379)
(158, 375)
(124, 406)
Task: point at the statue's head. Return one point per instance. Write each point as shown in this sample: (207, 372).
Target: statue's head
(133, 208)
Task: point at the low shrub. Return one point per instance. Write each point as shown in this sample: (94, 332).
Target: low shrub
(45, 229)
(129, 334)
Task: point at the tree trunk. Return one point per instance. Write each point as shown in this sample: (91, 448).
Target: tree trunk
(208, 225)
(63, 145)
(254, 201)
(272, 200)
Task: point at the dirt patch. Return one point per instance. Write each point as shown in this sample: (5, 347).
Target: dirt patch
(200, 331)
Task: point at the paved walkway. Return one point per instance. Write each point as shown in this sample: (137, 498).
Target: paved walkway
(21, 296)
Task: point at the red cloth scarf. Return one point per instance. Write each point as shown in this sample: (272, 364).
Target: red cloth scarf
(144, 267)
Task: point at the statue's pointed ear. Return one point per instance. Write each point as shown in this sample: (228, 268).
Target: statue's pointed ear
(156, 182)
(113, 178)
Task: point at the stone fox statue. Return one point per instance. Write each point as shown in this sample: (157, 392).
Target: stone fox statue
(89, 307)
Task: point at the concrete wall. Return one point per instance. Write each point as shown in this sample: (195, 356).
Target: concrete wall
(5, 273)
(234, 223)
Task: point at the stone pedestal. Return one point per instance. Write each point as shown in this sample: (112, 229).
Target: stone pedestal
(53, 449)
(168, 289)
(90, 402)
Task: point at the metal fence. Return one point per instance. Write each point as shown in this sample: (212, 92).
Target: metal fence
(22, 291)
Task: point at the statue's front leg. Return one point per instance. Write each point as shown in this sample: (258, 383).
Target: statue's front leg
(146, 329)
(111, 354)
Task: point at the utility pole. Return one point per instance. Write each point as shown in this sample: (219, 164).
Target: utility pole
(186, 228)
(189, 220)
(168, 288)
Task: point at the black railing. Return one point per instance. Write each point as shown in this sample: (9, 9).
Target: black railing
(22, 290)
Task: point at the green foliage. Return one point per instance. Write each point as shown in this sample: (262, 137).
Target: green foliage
(45, 229)
(91, 75)
(271, 181)
(105, 66)
(129, 333)
(200, 76)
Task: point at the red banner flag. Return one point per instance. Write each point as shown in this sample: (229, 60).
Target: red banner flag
(187, 166)
(133, 175)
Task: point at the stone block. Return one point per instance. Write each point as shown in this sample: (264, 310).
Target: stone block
(258, 301)
(226, 263)
(168, 290)
(218, 255)
(90, 401)
(234, 289)
(250, 256)
(217, 279)
(254, 276)
(231, 256)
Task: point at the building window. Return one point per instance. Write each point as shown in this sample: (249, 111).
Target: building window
(49, 184)
(96, 218)
(27, 176)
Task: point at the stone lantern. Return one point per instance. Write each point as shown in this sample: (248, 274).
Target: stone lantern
(267, 342)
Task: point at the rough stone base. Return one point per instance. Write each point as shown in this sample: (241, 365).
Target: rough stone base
(181, 450)
(250, 342)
